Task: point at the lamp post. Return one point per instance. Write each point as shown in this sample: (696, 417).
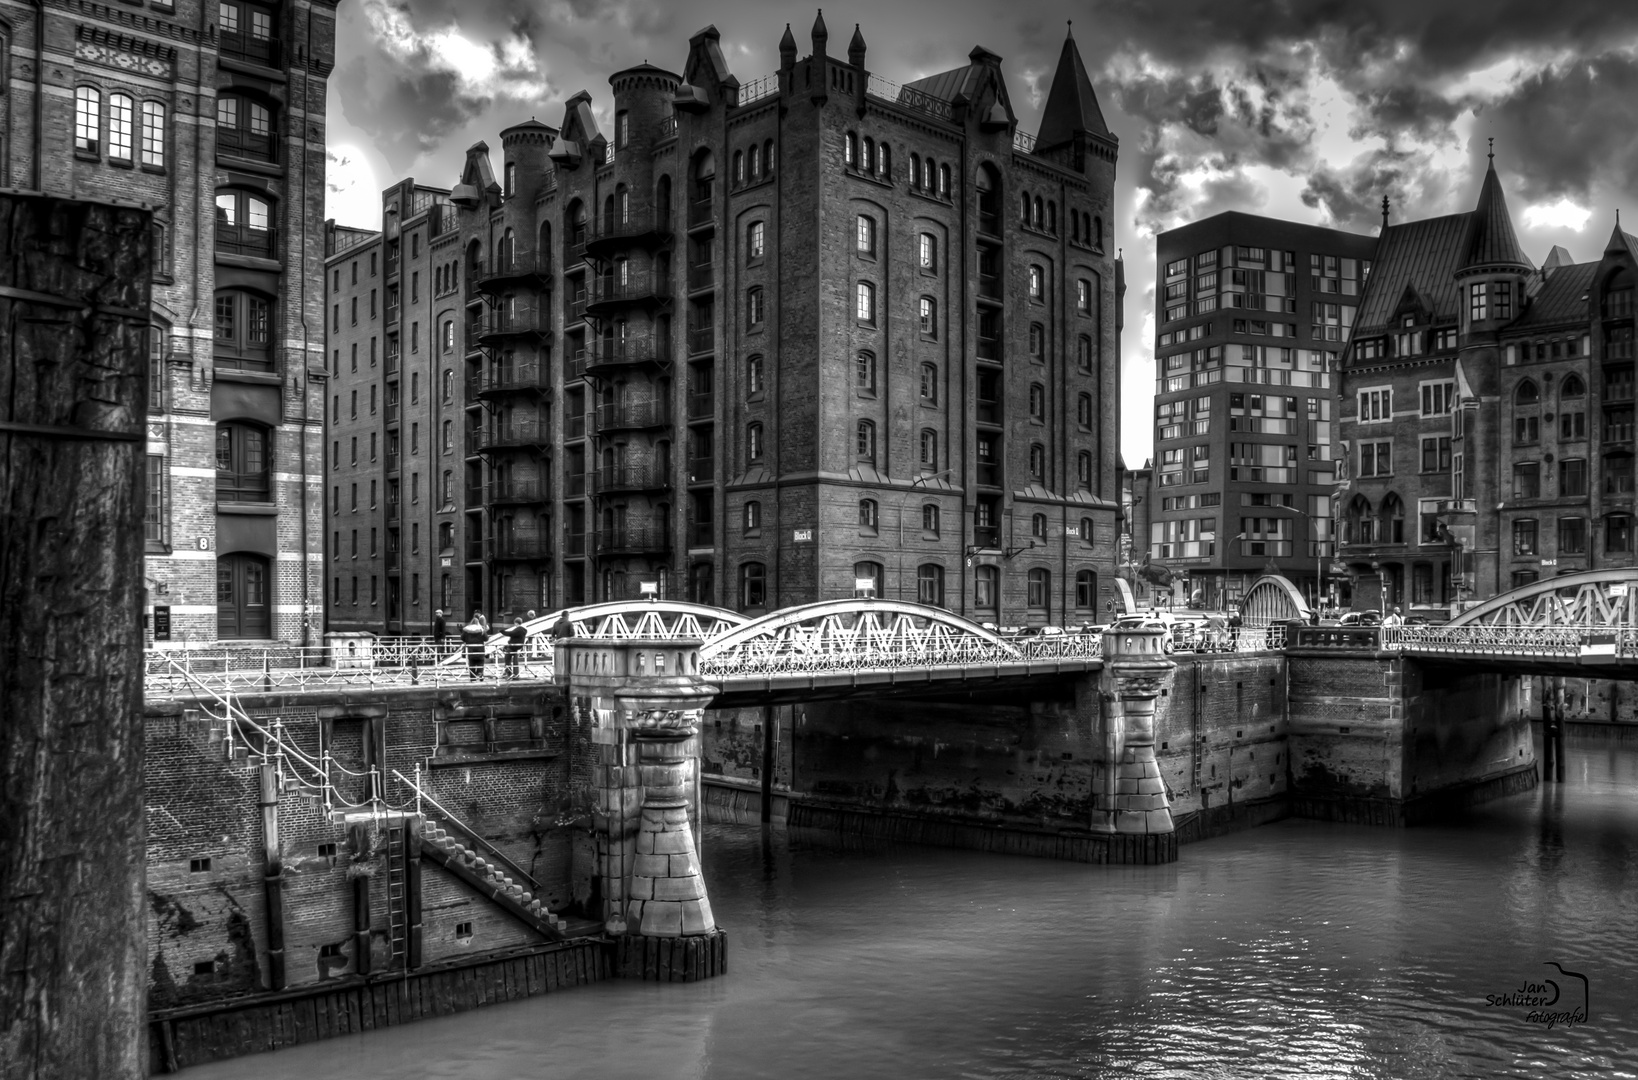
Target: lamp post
(1319, 558)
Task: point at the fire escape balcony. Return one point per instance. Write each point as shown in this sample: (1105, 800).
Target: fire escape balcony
(702, 406)
(520, 547)
(518, 434)
(533, 270)
(702, 470)
(610, 232)
(608, 353)
(527, 321)
(574, 364)
(521, 377)
(633, 416)
(616, 478)
(518, 492)
(637, 289)
(634, 540)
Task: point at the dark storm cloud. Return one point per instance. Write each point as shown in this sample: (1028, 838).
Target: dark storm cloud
(1569, 126)
(1351, 196)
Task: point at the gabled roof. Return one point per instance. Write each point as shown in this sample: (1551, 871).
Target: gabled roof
(1423, 255)
(947, 85)
(1490, 240)
(1562, 298)
(1622, 241)
(1071, 104)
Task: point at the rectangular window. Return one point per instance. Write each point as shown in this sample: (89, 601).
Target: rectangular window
(1527, 480)
(1438, 398)
(1524, 536)
(153, 134)
(1376, 458)
(1572, 536)
(87, 120)
(153, 519)
(121, 126)
(1375, 406)
(1436, 454)
(1572, 476)
(866, 243)
(1478, 307)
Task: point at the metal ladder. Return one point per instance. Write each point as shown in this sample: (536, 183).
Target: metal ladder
(397, 910)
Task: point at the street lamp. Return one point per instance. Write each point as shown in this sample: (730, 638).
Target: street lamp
(1319, 558)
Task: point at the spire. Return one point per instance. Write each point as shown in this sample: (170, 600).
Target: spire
(787, 48)
(1385, 205)
(1490, 239)
(820, 34)
(856, 48)
(1071, 106)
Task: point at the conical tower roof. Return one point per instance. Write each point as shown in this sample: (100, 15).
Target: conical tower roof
(1490, 239)
(1071, 105)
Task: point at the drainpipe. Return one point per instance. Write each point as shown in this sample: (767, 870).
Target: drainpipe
(272, 877)
(306, 396)
(39, 95)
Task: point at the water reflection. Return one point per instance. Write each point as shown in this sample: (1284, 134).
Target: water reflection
(1299, 949)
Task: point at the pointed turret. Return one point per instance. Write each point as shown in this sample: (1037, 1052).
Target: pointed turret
(1071, 106)
(787, 50)
(1490, 240)
(820, 34)
(856, 48)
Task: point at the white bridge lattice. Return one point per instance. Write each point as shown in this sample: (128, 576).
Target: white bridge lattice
(1591, 617)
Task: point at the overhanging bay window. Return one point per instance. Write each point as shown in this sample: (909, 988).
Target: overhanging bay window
(244, 331)
(244, 463)
(244, 224)
(244, 127)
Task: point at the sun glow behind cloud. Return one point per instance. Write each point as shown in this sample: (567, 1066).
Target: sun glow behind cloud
(1562, 214)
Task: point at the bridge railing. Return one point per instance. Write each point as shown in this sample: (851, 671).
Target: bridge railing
(1564, 642)
(181, 673)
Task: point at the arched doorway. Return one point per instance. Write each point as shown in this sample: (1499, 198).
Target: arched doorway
(244, 602)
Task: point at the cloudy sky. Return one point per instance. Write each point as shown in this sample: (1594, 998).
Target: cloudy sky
(1304, 110)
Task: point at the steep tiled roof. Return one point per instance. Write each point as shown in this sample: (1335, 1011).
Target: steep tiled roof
(1071, 105)
(1490, 239)
(1561, 299)
(1423, 254)
(947, 84)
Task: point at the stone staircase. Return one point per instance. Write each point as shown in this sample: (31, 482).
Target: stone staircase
(450, 851)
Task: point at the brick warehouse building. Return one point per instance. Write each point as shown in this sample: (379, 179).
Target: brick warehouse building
(1487, 406)
(1252, 317)
(765, 341)
(181, 106)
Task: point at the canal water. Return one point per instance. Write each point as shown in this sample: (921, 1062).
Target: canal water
(1299, 949)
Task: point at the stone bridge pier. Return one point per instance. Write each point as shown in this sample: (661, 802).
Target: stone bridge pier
(1131, 804)
(645, 700)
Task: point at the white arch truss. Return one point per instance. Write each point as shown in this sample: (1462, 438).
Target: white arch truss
(1595, 598)
(1272, 599)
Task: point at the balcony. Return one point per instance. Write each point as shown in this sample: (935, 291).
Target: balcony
(574, 485)
(247, 240)
(702, 470)
(528, 376)
(526, 320)
(391, 311)
(988, 411)
(700, 534)
(702, 212)
(474, 549)
(614, 478)
(574, 365)
(986, 536)
(989, 349)
(516, 491)
(606, 353)
(392, 356)
(248, 48)
(474, 388)
(392, 504)
(240, 143)
(702, 406)
(574, 546)
(392, 412)
(702, 340)
(613, 231)
(634, 540)
(989, 287)
(520, 546)
(244, 487)
(702, 276)
(633, 415)
(391, 460)
(517, 433)
(637, 289)
(395, 560)
(574, 426)
(574, 302)
(989, 473)
(474, 496)
(533, 269)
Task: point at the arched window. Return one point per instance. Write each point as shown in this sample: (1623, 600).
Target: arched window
(121, 127)
(865, 441)
(1083, 470)
(243, 330)
(88, 119)
(506, 251)
(244, 463)
(869, 515)
(1083, 353)
(753, 516)
(1086, 590)
(867, 578)
(930, 177)
(1037, 341)
(449, 385)
(987, 588)
(244, 126)
(929, 518)
(944, 181)
(915, 170)
(1037, 217)
(927, 313)
(753, 307)
(752, 585)
(1359, 524)
(929, 449)
(753, 442)
(927, 252)
(865, 305)
(930, 584)
(1037, 282)
(1527, 394)
(864, 372)
(1037, 401)
(867, 161)
(1572, 387)
(767, 157)
(153, 134)
(1038, 526)
(574, 231)
(865, 235)
(1039, 593)
(929, 384)
(244, 223)
(1087, 533)
(243, 605)
(756, 234)
(622, 205)
(850, 149)
(1392, 529)
(1037, 462)
(884, 162)
(739, 166)
(1083, 410)
(753, 375)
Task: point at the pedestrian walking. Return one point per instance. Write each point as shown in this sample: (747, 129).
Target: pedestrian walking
(1234, 623)
(473, 635)
(1394, 619)
(516, 635)
(440, 631)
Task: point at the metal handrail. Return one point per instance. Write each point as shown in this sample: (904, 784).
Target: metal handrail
(467, 832)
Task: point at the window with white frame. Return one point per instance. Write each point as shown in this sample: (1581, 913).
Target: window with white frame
(1438, 398)
(1376, 458)
(1375, 405)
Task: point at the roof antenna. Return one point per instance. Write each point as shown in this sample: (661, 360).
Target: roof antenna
(1492, 141)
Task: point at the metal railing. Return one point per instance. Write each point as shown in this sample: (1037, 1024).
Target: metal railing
(630, 478)
(910, 98)
(1023, 142)
(247, 240)
(244, 487)
(636, 539)
(757, 89)
(633, 414)
(239, 142)
(249, 47)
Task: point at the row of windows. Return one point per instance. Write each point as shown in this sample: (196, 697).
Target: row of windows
(755, 163)
(127, 139)
(868, 576)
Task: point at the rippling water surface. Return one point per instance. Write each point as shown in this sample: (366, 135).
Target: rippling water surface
(1299, 949)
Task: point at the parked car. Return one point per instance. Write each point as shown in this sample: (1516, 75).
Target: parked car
(1368, 617)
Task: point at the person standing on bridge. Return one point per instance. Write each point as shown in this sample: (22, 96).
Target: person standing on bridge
(440, 631)
(1394, 619)
(516, 635)
(473, 636)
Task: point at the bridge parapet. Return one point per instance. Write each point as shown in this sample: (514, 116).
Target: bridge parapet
(1133, 800)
